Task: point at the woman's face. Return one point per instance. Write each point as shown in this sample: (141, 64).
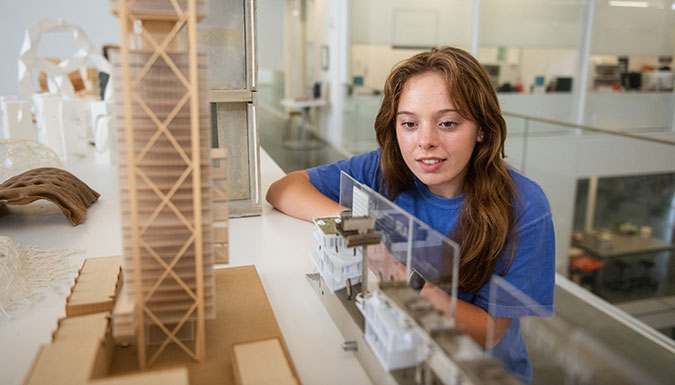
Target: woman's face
(435, 141)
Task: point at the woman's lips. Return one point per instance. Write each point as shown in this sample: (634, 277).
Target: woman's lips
(430, 164)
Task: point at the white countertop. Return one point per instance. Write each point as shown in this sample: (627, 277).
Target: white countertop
(303, 103)
(276, 244)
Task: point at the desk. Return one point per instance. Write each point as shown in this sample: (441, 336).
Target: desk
(276, 244)
(305, 141)
(624, 245)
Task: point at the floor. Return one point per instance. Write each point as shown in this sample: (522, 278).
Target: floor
(272, 126)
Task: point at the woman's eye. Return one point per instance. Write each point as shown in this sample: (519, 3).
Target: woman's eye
(408, 124)
(448, 124)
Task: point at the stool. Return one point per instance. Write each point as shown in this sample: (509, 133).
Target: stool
(586, 269)
(301, 135)
(622, 282)
(292, 128)
(646, 280)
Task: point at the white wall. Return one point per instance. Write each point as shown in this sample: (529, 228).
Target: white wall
(610, 110)
(405, 22)
(555, 106)
(271, 54)
(630, 110)
(374, 62)
(634, 31)
(94, 16)
(327, 30)
(530, 23)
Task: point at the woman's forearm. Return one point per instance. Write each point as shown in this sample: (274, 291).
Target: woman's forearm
(472, 318)
(295, 195)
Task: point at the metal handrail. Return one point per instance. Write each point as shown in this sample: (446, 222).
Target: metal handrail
(588, 128)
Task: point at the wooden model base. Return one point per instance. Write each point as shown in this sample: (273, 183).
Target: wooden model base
(95, 287)
(82, 350)
(243, 314)
(262, 362)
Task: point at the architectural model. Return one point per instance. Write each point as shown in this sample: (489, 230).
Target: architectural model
(339, 265)
(58, 186)
(164, 166)
(395, 343)
(150, 317)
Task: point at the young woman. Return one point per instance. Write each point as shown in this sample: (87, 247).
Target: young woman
(441, 137)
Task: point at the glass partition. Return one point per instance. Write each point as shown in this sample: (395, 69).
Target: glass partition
(612, 195)
(591, 362)
(571, 355)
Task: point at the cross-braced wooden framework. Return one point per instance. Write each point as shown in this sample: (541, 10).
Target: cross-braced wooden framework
(152, 162)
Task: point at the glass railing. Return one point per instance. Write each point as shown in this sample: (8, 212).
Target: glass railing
(571, 163)
(612, 195)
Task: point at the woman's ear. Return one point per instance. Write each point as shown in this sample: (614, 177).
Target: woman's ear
(480, 136)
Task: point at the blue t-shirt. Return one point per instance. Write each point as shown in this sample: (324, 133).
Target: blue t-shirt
(532, 270)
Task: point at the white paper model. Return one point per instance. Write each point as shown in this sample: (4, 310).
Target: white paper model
(336, 262)
(395, 343)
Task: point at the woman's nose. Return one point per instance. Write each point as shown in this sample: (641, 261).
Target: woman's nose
(427, 139)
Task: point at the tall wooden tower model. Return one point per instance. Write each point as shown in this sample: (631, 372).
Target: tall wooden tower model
(174, 202)
(165, 177)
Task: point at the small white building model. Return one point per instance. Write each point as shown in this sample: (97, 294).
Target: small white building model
(395, 343)
(390, 336)
(335, 262)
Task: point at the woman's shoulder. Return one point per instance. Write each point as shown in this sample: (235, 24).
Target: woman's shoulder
(364, 167)
(370, 157)
(530, 200)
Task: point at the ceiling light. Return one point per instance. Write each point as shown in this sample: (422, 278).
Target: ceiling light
(633, 4)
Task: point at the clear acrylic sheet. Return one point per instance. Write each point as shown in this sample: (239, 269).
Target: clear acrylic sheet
(409, 251)
(506, 295)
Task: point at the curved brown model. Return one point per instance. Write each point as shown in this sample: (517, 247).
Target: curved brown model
(53, 184)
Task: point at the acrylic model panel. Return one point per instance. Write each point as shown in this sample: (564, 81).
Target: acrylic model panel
(228, 34)
(232, 119)
(222, 36)
(408, 245)
(165, 174)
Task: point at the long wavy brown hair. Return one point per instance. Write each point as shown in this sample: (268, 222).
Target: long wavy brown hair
(486, 222)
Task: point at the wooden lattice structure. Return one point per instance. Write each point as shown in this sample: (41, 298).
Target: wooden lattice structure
(164, 144)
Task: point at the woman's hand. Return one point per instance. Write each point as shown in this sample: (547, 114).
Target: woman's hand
(472, 318)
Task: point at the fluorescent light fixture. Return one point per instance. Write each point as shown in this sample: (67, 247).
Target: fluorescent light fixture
(633, 4)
